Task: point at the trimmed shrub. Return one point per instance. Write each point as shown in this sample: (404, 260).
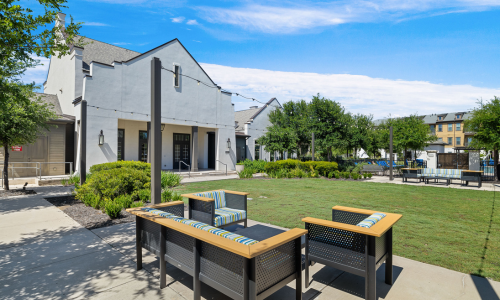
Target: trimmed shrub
(359, 168)
(365, 175)
(354, 175)
(137, 165)
(144, 195)
(246, 173)
(125, 201)
(112, 208)
(297, 173)
(166, 196)
(176, 197)
(169, 179)
(370, 175)
(137, 204)
(111, 183)
(258, 166)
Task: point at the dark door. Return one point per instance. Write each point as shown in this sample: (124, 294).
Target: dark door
(241, 149)
(121, 145)
(143, 146)
(211, 150)
(182, 150)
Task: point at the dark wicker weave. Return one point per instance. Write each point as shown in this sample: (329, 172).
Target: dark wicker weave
(239, 277)
(412, 173)
(349, 251)
(204, 211)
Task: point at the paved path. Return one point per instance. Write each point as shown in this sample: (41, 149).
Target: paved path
(486, 186)
(44, 254)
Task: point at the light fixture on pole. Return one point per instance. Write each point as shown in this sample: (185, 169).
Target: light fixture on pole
(101, 139)
(228, 144)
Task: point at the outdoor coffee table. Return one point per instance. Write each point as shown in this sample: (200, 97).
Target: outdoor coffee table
(260, 232)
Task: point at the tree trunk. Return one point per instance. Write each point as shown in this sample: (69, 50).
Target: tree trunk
(6, 167)
(495, 162)
(329, 154)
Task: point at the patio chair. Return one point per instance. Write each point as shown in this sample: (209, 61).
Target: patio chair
(237, 266)
(219, 208)
(357, 241)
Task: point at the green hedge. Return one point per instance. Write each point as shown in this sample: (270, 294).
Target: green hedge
(137, 165)
(324, 168)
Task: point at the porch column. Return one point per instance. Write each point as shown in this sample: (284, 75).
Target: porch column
(149, 143)
(194, 137)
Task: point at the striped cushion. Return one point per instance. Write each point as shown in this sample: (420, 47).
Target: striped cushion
(218, 196)
(428, 172)
(227, 215)
(371, 220)
(220, 232)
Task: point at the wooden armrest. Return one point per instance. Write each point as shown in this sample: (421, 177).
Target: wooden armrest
(381, 226)
(192, 196)
(166, 204)
(275, 241)
(236, 193)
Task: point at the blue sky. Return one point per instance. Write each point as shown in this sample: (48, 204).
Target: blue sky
(380, 57)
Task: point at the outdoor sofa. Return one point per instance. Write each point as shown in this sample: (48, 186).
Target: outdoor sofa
(218, 208)
(415, 173)
(346, 245)
(446, 174)
(238, 267)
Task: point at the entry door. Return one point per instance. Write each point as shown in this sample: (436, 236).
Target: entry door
(182, 150)
(143, 146)
(36, 152)
(211, 150)
(241, 149)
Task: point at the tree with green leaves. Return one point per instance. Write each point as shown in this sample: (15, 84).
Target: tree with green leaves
(25, 35)
(24, 117)
(327, 121)
(279, 139)
(358, 129)
(409, 133)
(485, 123)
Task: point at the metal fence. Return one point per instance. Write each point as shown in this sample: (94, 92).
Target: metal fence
(36, 166)
(487, 166)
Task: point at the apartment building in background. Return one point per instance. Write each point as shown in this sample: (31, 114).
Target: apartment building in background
(449, 129)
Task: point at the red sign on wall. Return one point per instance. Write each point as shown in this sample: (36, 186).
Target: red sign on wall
(17, 148)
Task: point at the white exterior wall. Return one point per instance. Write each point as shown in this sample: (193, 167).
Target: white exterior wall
(65, 73)
(127, 87)
(258, 128)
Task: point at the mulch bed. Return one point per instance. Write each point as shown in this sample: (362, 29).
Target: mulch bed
(18, 192)
(87, 216)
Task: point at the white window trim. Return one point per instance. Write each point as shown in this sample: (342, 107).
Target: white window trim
(173, 69)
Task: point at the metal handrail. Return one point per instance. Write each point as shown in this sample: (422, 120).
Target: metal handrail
(223, 164)
(38, 168)
(180, 161)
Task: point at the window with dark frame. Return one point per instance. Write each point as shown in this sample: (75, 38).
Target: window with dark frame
(120, 153)
(450, 141)
(458, 141)
(257, 152)
(450, 127)
(176, 75)
(440, 127)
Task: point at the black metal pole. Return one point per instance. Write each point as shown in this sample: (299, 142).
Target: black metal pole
(83, 142)
(391, 177)
(312, 146)
(155, 131)
(149, 142)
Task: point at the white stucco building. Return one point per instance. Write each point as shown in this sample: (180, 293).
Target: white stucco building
(251, 124)
(116, 83)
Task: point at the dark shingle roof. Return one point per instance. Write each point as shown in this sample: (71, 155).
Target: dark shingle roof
(104, 53)
(51, 99)
(243, 116)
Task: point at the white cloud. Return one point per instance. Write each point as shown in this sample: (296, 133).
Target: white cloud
(177, 19)
(37, 74)
(121, 44)
(94, 24)
(192, 22)
(358, 93)
(305, 15)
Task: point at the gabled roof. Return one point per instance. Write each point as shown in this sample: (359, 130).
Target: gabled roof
(263, 107)
(104, 53)
(56, 106)
(243, 116)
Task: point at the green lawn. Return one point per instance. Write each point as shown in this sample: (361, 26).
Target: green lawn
(455, 229)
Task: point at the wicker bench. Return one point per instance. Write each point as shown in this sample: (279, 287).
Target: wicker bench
(373, 169)
(343, 245)
(218, 208)
(412, 173)
(476, 176)
(237, 270)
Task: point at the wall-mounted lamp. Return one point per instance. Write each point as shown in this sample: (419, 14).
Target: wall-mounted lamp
(162, 127)
(101, 139)
(228, 143)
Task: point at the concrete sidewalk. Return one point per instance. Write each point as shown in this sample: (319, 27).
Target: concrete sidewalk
(486, 185)
(44, 254)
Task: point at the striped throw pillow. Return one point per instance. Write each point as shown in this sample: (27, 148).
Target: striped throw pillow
(218, 196)
(371, 220)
